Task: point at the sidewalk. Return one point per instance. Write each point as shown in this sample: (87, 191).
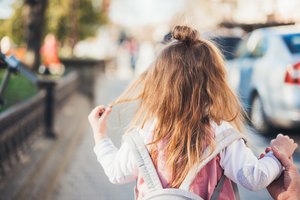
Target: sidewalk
(47, 159)
(85, 178)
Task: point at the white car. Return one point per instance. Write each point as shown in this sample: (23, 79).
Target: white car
(266, 76)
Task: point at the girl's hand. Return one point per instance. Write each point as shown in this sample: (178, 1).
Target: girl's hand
(97, 119)
(284, 144)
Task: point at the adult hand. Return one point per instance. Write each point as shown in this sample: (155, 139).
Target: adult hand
(97, 119)
(287, 186)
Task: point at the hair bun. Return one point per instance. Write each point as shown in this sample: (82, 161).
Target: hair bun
(185, 33)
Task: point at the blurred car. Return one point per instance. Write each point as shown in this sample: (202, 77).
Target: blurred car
(227, 45)
(266, 76)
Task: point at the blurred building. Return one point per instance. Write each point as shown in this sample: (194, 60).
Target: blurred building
(257, 11)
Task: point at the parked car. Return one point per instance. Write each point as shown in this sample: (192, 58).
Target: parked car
(266, 75)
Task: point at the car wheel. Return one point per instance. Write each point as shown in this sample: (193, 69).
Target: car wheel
(257, 116)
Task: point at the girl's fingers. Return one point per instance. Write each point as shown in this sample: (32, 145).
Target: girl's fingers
(272, 141)
(95, 112)
(268, 149)
(100, 112)
(105, 113)
(280, 135)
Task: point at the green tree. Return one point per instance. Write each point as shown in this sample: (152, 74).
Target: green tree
(73, 20)
(14, 27)
(68, 20)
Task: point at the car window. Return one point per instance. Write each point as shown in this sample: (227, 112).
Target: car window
(242, 50)
(227, 45)
(260, 48)
(257, 48)
(293, 42)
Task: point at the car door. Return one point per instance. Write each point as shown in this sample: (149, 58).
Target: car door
(243, 68)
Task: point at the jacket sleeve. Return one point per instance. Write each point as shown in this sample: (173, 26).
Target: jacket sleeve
(243, 167)
(118, 164)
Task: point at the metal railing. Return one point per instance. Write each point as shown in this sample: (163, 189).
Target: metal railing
(17, 125)
(21, 122)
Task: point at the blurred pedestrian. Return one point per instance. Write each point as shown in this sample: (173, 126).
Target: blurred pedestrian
(185, 103)
(50, 59)
(132, 47)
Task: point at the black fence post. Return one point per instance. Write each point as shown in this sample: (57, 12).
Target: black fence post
(49, 86)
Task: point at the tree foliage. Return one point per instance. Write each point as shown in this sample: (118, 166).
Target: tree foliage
(14, 27)
(73, 18)
(59, 20)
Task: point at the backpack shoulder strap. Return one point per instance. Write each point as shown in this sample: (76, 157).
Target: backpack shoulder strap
(216, 193)
(223, 140)
(144, 161)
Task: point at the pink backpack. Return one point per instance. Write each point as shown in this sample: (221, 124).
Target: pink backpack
(151, 178)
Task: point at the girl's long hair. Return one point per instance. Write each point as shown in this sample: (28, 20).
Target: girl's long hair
(184, 89)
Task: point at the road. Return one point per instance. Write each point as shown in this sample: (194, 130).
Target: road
(84, 177)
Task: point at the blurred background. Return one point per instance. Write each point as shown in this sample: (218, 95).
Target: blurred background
(61, 58)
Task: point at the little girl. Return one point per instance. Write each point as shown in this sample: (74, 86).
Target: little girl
(184, 103)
